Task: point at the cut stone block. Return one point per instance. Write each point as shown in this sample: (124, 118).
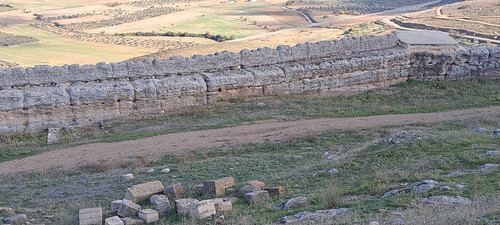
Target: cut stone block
(16, 220)
(257, 183)
(199, 189)
(132, 220)
(6, 212)
(141, 192)
(248, 188)
(173, 191)
(52, 136)
(162, 205)
(222, 205)
(217, 188)
(90, 216)
(154, 198)
(128, 208)
(183, 205)
(115, 220)
(256, 197)
(149, 215)
(115, 205)
(203, 209)
(275, 190)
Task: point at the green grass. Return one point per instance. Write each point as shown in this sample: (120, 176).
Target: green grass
(409, 97)
(54, 50)
(368, 166)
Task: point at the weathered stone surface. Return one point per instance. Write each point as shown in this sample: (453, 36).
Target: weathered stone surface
(16, 220)
(217, 188)
(162, 204)
(310, 216)
(115, 220)
(447, 200)
(52, 135)
(128, 177)
(222, 205)
(257, 183)
(132, 220)
(90, 216)
(293, 203)
(115, 205)
(198, 189)
(203, 209)
(397, 221)
(256, 197)
(248, 188)
(173, 191)
(275, 190)
(128, 208)
(183, 206)
(6, 212)
(141, 192)
(149, 215)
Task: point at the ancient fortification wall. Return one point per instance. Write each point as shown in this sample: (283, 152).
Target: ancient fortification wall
(34, 99)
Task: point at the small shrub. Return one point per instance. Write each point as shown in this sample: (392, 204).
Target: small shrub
(332, 197)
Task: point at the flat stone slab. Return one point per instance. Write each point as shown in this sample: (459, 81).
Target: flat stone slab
(90, 216)
(115, 220)
(425, 38)
(141, 192)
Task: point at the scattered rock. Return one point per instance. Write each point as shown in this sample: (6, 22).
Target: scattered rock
(293, 203)
(460, 186)
(487, 168)
(326, 154)
(150, 171)
(53, 136)
(183, 205)
(128, 177)
(220, 220)
(479, 130)
(199, 189)
(447, 200)
(149, 215)
(128, 208)
(166, 170)
(454, 173)
(332, 157)
(90, 216)
(496, 132)
(257, 183)
(203, 209)
(374, 223)
(275, 190)
(115, 220)
(492, 153)
(6, 212)
(391, 193)
(397, 221)
(217, 188)
(162, 204)
(115, 205)
(444, 188)
(256, 197)
(261, 104)
(141, 192)
(222, 205)
(422, 186)
(17, 219)
(333, 171)
(173, 191)
(305, 216)
(248, 188)
(132, 220)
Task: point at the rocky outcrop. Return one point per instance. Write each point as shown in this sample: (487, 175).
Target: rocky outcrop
(36, 98)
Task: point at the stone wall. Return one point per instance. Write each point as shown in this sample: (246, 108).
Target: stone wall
(34, 99)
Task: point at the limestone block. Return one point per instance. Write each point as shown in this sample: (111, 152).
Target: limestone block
(90, 216)
(268, 75)
(132, 220)
(115, 220)
(17, 219)
(248, 188)
(203, 209)
(149, 215)
(285, 53)
(154, 198)
(174, 65)
(275, 190)
(261, 56)
(19, 76)
(257, 183)
(115, 205)
(56, 96)
(256, 197)
(120, 70)
(140, 69)
(183, 206)
(162, 204)
(300, 52)
(6, 79)
(107, 92)
(128, 208)
(52, 135)
(478, 55)
(320, 49)
(173, 191)
(222, 205)
(6, 212)
(356, 78)
(82, 73)
(11, 99)
(104, 71)
(198, 189)
(217, 188)
(228, 80)
(294, 72)
(341, 66)
(141, 192)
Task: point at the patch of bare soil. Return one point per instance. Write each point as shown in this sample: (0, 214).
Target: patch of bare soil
(178, 143)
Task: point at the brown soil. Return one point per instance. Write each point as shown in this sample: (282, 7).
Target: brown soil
(178, 143)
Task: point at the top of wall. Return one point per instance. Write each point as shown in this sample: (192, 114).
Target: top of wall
(425, 38)
(17, 77)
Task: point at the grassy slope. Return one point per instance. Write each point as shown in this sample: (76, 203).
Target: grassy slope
(368, 167)
(63, 50)
(410, 97)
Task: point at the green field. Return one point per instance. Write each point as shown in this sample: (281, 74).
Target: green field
(63, 50)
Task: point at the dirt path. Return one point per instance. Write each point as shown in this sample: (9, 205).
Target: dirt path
(258, 132)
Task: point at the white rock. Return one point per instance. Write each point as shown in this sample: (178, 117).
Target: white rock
(333, 171)
(166, 170)
(374, 223)
(150, 171)
(333, 156)
(326, 154)
(460, 186)
(128, 177)
(445, 188)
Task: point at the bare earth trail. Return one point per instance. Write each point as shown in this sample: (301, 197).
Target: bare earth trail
(259, 132)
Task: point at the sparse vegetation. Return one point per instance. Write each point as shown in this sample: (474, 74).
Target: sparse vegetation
(7, 39)
(218, 37)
